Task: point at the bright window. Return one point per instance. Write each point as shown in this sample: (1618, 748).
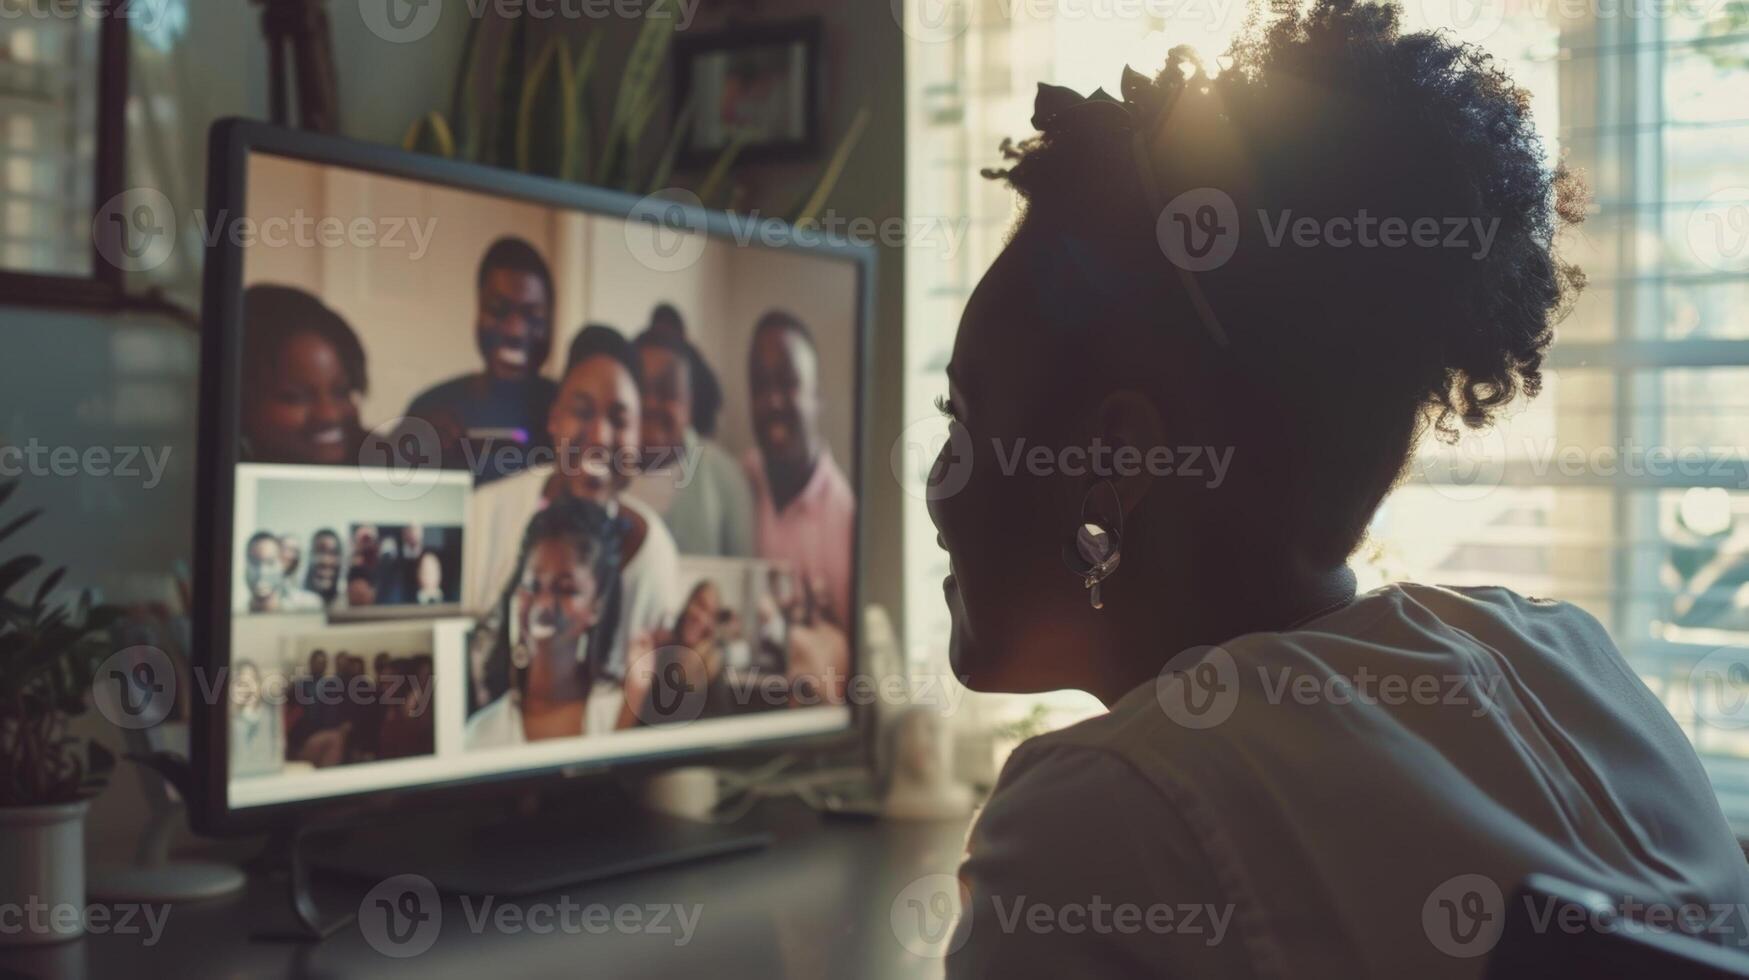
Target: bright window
(1625, 487)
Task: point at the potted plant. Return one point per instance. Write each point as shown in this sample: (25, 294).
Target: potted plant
(48, 654)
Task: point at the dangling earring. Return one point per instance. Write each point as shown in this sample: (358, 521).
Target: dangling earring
(583, 647)
(1097, 546)
(519, 656)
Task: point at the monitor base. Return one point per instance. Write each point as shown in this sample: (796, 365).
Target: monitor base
(288, 852)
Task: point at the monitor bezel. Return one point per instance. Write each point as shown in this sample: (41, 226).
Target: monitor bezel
(230, 143)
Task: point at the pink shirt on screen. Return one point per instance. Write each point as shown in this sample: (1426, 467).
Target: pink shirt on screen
(815, 532)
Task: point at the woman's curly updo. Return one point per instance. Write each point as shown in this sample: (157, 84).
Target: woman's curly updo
(1341, 353)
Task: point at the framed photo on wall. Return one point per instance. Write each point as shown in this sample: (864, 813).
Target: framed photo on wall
(759, 83)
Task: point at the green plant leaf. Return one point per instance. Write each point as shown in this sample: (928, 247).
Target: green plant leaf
(430, 133)
(16, 569)
(49, 582)
(512, 63)
(537, 72)
(676, 139)
(463, 99)
(715, 181)
(643, 66)
(20, 521)
(546, 116)
(810, 207)
(583, 134)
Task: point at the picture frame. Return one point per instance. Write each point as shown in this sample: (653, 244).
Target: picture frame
(763, 79)
(100, 285)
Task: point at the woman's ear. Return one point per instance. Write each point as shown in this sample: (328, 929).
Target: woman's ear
(1129, 425)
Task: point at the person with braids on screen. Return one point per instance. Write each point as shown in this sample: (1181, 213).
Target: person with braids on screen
(552, 614)
(1272, 769)
(594, 428)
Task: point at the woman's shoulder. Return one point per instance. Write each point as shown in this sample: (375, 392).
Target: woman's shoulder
(1074, 843)
(491, 726)
(516, 496)
(658, 549)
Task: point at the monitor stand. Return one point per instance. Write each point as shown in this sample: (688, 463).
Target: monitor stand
(593, 839)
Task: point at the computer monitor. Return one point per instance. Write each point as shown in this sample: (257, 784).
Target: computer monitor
(505, 479)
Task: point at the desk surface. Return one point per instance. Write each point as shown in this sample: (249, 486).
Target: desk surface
(831, 898)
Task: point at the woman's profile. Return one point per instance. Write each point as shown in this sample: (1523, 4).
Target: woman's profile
(1343, 241)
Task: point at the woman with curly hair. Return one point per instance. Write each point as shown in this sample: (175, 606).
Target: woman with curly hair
(1343, 240)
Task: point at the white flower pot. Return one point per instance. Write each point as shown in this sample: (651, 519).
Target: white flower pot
(42, 873)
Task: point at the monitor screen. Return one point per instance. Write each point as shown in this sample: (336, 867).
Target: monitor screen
(522, 485)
